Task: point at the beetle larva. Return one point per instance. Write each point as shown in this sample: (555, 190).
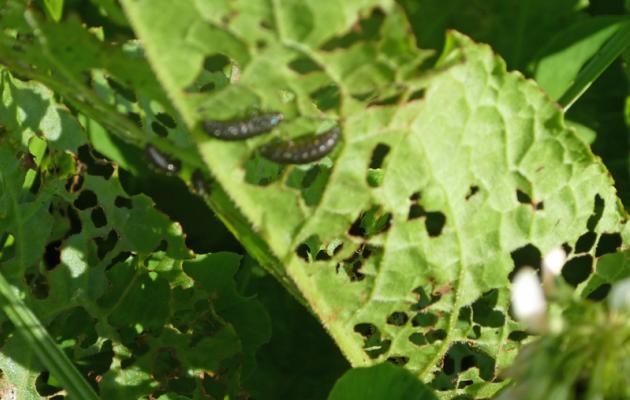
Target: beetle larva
(238, 130)
(302, 150)
(162, 161)
(200, 183)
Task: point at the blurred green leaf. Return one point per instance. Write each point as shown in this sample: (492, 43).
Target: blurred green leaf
(596, 66)
(569, 50)
(383, 381)
(515, 29)
(54, 8)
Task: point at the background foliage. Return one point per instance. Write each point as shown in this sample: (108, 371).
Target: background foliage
(452, 173)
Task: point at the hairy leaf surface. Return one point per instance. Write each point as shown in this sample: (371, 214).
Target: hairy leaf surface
(404, 247)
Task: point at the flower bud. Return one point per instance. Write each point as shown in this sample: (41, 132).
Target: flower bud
(528, 300)
(554, 260)
(619, 297)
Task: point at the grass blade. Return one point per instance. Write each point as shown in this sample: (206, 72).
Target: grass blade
(598, 64)
(44, 347)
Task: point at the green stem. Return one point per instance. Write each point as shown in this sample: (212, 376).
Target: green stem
(44, 347)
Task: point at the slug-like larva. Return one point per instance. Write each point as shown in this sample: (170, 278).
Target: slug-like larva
(304, 149)
(200, 183)
(162, 161)
(238, 130)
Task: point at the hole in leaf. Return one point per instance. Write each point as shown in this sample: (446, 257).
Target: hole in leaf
(415, 211)
(424, 300)
(462, 384)
(52, 254)
(483, 310)
(398, 360)
(215, 62)
(87, 199)
(417, 95)
(378, 155)
(387, 101)
(585, 242)
(528, 255)
(162, 246)
(120, 257)
(44, 387)
(598, 211)
(74, 183)
(518, 336)
(461, 357)
(435, 223)
(378, 349)
(166, 120)
(365, 30)
(303, 251)
(371, 222)
(608, 243)
(352, 265)
(311, 182)
(96, 163)
(75, 221)
(304, 65)
(106, 244)
(122, 90)
(123, 202)
(135, 118)
(159, 129)
(435, 335)
(397, 318)
(206, 87)
(472, 191)
(418, 339)
(577, 269)
(38, 285)
(424, 320)
(261, 172)
(98, 217)
(523, 197)
(326, 98)
(600, 292)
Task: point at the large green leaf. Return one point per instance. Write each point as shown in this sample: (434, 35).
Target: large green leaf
(479, 164)
(102, 269)
(379, 382)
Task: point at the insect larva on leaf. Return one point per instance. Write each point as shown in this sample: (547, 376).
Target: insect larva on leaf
(162, 161)
(302, 150)
(243, 129)
(200, 183)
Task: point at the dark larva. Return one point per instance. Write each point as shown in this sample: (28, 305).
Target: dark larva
(238, 130)
(162, 161)
(200, 183)
(302, 150)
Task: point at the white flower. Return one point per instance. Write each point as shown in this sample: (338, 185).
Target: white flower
(528, 300)
(619, 297)
(554, 261)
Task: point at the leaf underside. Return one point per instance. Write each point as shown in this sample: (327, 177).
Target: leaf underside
(475, 166)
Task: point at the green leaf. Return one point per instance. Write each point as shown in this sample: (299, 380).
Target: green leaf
(516, 31)
(41, 344)
(594, 68)
(101, 268)
(383, 381)
(479, 165)
(568, 51)
(54, 8)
